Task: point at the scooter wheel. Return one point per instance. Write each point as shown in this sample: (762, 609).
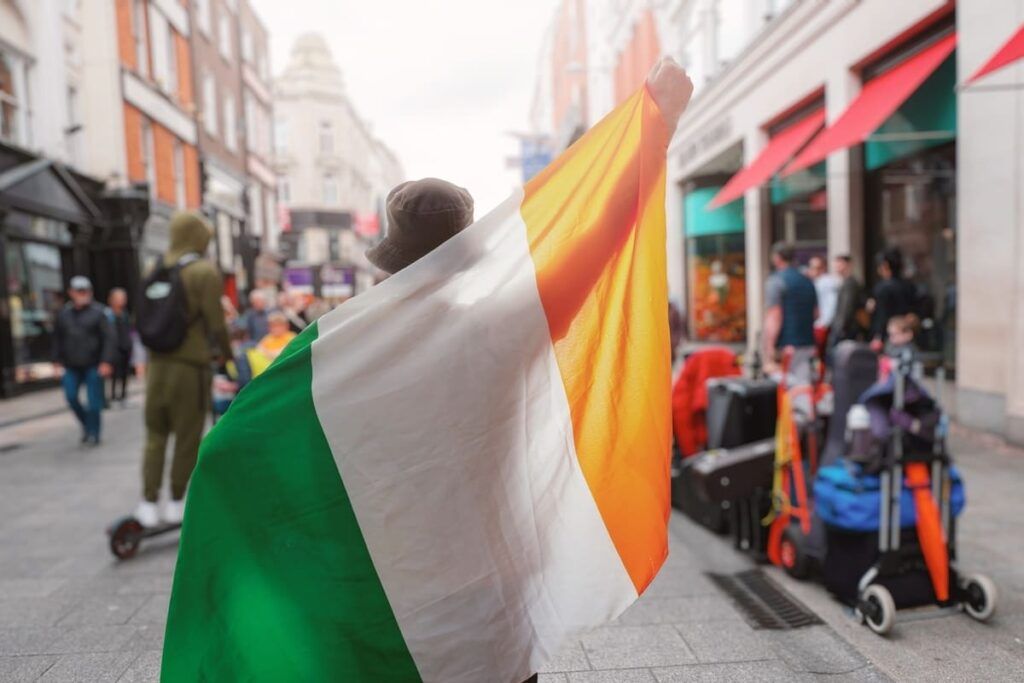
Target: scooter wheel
(878, 609)
(791, 553)
(980, 596)
(125, 539)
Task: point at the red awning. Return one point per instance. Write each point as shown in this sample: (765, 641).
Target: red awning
(777, 152)
(879, 100)
(1008, 53)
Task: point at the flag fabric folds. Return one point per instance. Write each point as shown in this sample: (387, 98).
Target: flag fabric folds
(451, 474)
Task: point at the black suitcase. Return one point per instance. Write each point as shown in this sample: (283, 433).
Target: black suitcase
(728, 474)
(850, 554)
(686, 499)
(740, 411)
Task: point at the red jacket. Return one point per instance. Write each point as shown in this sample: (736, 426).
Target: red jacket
(690, 395)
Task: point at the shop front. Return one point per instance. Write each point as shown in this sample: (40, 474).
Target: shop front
(52, 226)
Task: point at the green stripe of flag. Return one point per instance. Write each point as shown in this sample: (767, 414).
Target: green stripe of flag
(274, 581)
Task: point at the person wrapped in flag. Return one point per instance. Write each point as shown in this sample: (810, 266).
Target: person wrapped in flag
(448, 476)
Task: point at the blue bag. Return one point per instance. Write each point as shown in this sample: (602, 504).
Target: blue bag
(846, 498)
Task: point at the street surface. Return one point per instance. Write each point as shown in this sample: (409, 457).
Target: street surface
(70, 612)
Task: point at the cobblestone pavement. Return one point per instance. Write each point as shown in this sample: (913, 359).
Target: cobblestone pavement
(70, 612)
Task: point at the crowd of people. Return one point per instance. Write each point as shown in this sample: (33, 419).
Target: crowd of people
(810, 309)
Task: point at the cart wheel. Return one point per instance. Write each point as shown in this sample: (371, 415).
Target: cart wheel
(124, 540)
(794, 559)
(878, 609)
(980, 596)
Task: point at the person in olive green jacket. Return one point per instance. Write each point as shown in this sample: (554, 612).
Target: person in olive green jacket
(178, 382)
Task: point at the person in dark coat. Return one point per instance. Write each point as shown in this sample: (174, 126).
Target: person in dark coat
(84, 350)
(121, 323)
(844, 323)
(892, 296)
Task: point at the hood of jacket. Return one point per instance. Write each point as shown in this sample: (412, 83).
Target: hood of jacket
(190, 233)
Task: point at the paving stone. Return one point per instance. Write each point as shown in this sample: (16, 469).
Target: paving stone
(724, 641)
(153, 610)
(144, 669)
(633, 647)
(27, 641)
(146, 637)
(94, 667)
(571, 658)
(679, 582)
(815, 649)
(84, 639)
(29, 612)
(552, 678)
(771, 671)
(616, 676)
(678, 610)
(104, 609)
(27, 587)
(24, 668)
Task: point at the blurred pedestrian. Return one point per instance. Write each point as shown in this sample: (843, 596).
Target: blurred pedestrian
(892, 296)
(791, 304)
(291, 304)
(121, 323)
(178, 387)
(826, 286)
(254, 321)
(900, 332)
(849, 301)
(84, 350)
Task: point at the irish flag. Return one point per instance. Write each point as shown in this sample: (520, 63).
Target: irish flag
(451, 474)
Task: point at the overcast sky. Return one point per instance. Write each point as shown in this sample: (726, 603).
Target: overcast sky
(440, 82)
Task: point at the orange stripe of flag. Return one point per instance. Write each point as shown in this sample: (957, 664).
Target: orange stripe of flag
(595, 221)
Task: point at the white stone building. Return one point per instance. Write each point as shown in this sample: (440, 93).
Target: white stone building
(332, 172)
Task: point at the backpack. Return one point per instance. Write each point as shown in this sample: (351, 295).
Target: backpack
(162, 315)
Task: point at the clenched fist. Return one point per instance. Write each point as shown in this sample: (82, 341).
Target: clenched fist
(671, 89)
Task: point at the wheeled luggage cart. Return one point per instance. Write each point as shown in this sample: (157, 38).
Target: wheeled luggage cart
(900, 577)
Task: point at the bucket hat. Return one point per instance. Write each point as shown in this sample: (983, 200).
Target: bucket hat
(422, 215)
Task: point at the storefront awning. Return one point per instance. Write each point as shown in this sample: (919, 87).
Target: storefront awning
(775, 154)
(879, 99)
(1010, 52)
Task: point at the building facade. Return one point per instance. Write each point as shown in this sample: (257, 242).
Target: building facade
(333, 174)
(779, 145)
(56, 220)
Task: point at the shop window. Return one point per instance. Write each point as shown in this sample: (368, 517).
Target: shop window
(911, 205)
(716, 268)
(800, 212)
(35, 294)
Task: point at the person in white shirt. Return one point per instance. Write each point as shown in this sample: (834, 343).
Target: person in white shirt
(827, 286)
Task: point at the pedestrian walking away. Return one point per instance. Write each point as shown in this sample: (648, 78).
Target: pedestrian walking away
(84, 350)
(791, 305)
(178, 383)
(121, 323)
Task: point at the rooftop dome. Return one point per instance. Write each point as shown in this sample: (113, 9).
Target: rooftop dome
(311, 68)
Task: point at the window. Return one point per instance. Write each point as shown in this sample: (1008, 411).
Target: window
(247, 52)
(255, 209)
(203, 15)
(139, 35)
(209, 104)
(13, 113)
(284, 190)
(164, 54)
(148, 162)
(251, 122)
(326, 138)
(179, 174)
(330, 189)
(280, 136)
(225, 36)
(230, 123)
